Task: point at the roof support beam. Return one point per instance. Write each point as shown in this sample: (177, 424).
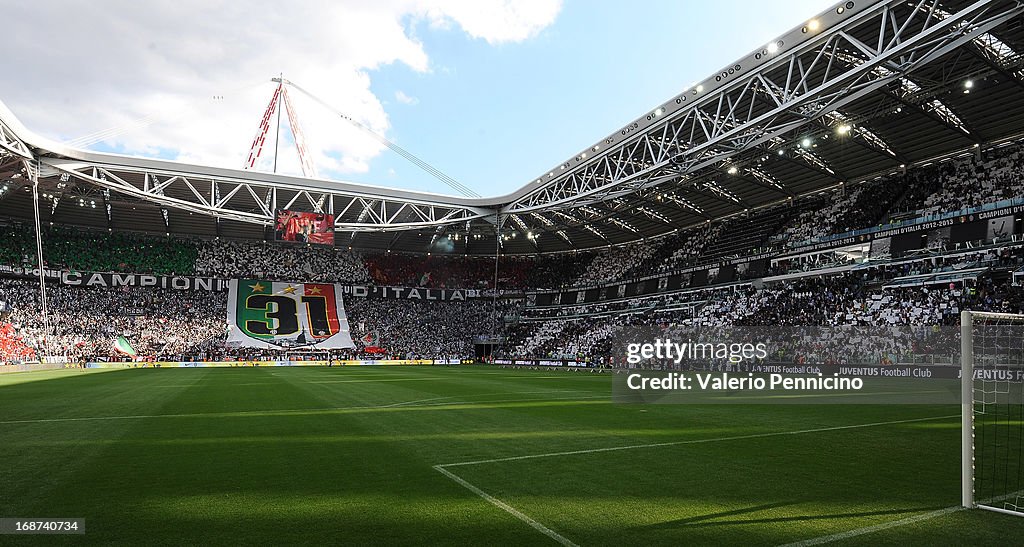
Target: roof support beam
(247, 201)
(730, 119)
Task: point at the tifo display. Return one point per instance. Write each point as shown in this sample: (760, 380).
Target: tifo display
(268, 314)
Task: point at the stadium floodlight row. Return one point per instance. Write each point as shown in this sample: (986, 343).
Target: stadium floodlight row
(825, 104)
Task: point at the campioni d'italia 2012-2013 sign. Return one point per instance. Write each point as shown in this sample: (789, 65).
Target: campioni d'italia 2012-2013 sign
(276, 314)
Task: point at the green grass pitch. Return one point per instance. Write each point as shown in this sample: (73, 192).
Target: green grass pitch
(279, 456)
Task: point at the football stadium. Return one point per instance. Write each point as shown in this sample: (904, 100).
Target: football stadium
(782, 307)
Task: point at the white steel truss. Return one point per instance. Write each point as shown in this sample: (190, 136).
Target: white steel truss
(11, 144)
(765, 97)
(255, 201)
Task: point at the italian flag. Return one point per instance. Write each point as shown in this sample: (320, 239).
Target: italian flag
(121, 345)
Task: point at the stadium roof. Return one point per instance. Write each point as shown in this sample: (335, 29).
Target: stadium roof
(863, 89)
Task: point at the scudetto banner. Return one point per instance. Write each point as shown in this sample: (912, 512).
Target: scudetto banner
(275, 314)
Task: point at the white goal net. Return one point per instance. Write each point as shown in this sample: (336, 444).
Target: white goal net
(992, 362)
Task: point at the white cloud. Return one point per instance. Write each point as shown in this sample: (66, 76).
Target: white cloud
(106, 64)
(401, 97)
(496, 21)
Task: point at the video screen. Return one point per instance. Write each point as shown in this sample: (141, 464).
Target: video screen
(301, 227)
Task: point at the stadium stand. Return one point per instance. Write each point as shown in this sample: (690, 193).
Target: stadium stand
(74, 249)
(923, 291)
(168, 324)
(266, 261)
(412, 329)
(611, 264)
(85, 321)
(926, 288)
(12, 346)
(967, 182)
(839, 211)
(439, 271)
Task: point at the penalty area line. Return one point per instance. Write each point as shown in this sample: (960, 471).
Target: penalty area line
(895, 523)
(506, 507)
(442, 468)
(875, 528)
(695, 441)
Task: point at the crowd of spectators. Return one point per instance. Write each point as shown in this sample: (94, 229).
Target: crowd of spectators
(611, 264)
(414, 329)
(187, 325)
(845, 209)
(947, 186)
(967, 182)
(87, 251)
(262, 260)
(478, 272)
(13, 346)
(167, 324)
(431, 271)
(157, 322)
(862, 298)
(691, 247)
(84, 322)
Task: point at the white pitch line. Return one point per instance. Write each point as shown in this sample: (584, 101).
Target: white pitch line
(695, 441)
(507, 508)
(886, 526)
(893, 524)
(284, 412)
(407, 403)
(441, 468)
(404, 403)
(875, 528)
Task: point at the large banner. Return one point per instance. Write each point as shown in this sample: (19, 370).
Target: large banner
(300, 227)
(274, 314)
(184, 283)
(999, 222)
(411, 293)
(107, 279)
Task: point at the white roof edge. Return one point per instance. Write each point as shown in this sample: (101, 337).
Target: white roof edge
(47, 147)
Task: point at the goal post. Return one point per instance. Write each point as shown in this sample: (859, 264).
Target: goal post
(966, 409)
(992, 411)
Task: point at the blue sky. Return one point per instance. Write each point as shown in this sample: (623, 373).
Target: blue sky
(492, 92)
(496, 117)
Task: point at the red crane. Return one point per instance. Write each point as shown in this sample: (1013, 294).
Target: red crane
(256, 149)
